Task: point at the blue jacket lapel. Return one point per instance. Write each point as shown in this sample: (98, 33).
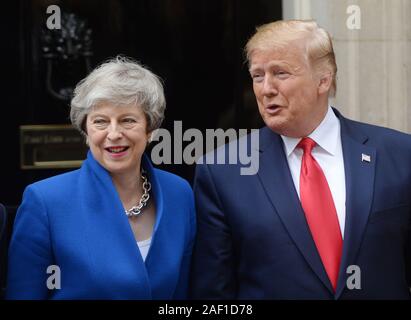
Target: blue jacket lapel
(359, 179)
(276, 179)
(110, 238)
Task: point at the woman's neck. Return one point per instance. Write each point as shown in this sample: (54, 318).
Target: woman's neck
(128, 186)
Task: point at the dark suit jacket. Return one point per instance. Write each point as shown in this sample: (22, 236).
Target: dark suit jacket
(76, 221)
(253, 241)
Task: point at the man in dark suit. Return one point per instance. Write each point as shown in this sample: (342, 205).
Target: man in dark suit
(327, 216)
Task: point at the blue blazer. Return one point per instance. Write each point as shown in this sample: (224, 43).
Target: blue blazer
(253, 241)
(77, 222)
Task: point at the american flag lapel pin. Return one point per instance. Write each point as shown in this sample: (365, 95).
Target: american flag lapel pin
(365, 157)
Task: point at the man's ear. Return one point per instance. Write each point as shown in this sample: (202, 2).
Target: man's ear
(324, 84)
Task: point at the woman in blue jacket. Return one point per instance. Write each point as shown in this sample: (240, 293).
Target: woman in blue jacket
(116, 228)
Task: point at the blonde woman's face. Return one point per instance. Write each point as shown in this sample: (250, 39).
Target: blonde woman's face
(117, 136)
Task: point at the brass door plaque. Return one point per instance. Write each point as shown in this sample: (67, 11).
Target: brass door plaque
(51, 147)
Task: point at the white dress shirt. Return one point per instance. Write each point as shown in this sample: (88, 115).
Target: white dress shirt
(144, 246)
(328, 153)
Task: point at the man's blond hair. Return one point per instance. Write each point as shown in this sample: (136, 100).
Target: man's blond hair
(280, 34)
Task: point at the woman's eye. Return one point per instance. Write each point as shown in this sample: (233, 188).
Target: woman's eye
(99, 121)
(129, 120)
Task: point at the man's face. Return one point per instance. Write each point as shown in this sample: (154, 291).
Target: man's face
(288, 94)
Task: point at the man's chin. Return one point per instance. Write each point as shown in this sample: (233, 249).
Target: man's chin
(276, 125)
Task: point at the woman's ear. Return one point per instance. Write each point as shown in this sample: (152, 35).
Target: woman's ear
(86, 138)
(149, 137)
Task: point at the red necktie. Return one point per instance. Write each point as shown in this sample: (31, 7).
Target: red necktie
(320, 212)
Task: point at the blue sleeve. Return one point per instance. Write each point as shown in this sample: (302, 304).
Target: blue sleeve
(212, 271)
(182, 285)
(30, 251)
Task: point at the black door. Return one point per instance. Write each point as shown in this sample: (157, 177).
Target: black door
(195, 46)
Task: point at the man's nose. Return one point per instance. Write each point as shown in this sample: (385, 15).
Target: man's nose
(270, 86)
(114, 132)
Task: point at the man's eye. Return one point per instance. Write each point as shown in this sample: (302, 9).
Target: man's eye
(282, 74)
(257, 77)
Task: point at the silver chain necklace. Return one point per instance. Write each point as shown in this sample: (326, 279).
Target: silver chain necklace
(136, 210)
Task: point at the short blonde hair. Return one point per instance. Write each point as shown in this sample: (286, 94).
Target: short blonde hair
(121, 81)
(318, 44)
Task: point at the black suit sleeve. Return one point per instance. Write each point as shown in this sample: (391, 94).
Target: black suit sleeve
(213, 273)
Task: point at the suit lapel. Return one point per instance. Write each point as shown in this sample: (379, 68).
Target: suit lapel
(359, 179)
(276, 179)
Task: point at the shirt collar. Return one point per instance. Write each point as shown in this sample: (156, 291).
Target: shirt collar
(325, 135)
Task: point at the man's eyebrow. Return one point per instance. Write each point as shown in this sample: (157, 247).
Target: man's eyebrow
(254, 68)
(279, 64)
(271, 64)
